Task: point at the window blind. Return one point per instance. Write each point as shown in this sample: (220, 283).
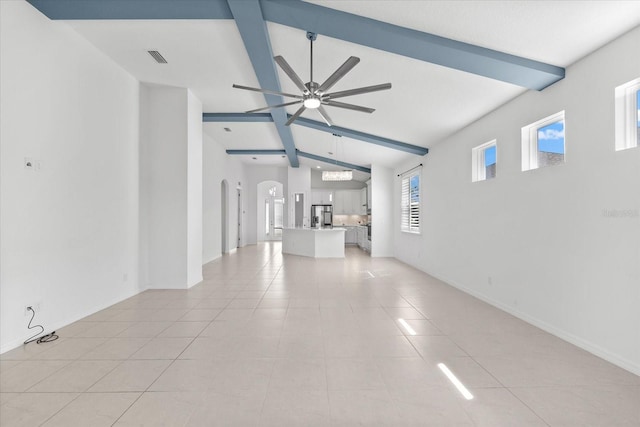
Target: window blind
(410, 203)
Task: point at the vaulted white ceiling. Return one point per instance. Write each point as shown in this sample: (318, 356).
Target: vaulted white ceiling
(426, 103)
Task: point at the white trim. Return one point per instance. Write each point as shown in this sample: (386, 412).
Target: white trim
(627, 115)
(529, 135)
(478, 168)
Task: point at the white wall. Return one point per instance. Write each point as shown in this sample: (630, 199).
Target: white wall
(299, 182)
(171, 165)
(382, 209)
(194, 190)
(554, 258)
(164, 164)
(218, 165)
(69, 231)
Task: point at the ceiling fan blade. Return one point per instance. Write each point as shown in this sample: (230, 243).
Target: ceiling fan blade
(339, 73)
(289, 72)
(270, 92)
(357, 91)
(296, 115)
(268, 107)
(325, 116)
(348, 106)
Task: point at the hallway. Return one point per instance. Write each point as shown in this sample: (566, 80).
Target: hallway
(273, 340)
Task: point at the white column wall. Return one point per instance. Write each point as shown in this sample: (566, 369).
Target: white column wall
(382, 211)
(299, 182)
(164, 162)
(68, 230)
(218, 165)
(539, 243)
(172, 177)
(194, 190)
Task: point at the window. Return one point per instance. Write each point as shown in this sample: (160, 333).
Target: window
(484, 162)
(628, 115)
(410, 202)
(543, 142)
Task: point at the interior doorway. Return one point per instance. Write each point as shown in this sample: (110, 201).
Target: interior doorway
(274, 218)
(270, 213)
(239, 217)
(224, 217)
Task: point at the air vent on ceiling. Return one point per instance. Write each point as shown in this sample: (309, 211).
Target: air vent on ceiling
(157, 56)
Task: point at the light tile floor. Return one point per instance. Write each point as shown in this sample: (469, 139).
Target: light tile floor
(273, 340)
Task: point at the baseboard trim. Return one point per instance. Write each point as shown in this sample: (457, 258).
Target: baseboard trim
(586, 345)
(61, 324)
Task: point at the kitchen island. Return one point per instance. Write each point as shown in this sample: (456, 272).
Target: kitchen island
(314, 242)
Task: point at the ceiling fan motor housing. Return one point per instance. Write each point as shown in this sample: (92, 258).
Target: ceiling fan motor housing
(312, 99)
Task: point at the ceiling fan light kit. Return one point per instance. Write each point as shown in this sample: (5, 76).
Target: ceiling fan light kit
(311, 103)
(315, 96)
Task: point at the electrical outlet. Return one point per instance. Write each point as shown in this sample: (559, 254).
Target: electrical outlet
(35, 307)
(32, 164)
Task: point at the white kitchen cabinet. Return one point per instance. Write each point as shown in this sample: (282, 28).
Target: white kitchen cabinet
(315, 197)
(362, 236)
(348, 202)
(351, 236)
(356, 202)
(368, 194)
(339, 199)
(363, 240)
(321, 197)
(363, 201)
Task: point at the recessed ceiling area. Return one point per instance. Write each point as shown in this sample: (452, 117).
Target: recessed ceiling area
(427, 102)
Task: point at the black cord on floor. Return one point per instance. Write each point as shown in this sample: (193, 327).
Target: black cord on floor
(44, 338)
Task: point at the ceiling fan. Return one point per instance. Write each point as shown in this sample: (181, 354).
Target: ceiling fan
(314, 95)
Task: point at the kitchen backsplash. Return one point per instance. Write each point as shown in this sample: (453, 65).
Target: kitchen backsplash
(350, 220)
